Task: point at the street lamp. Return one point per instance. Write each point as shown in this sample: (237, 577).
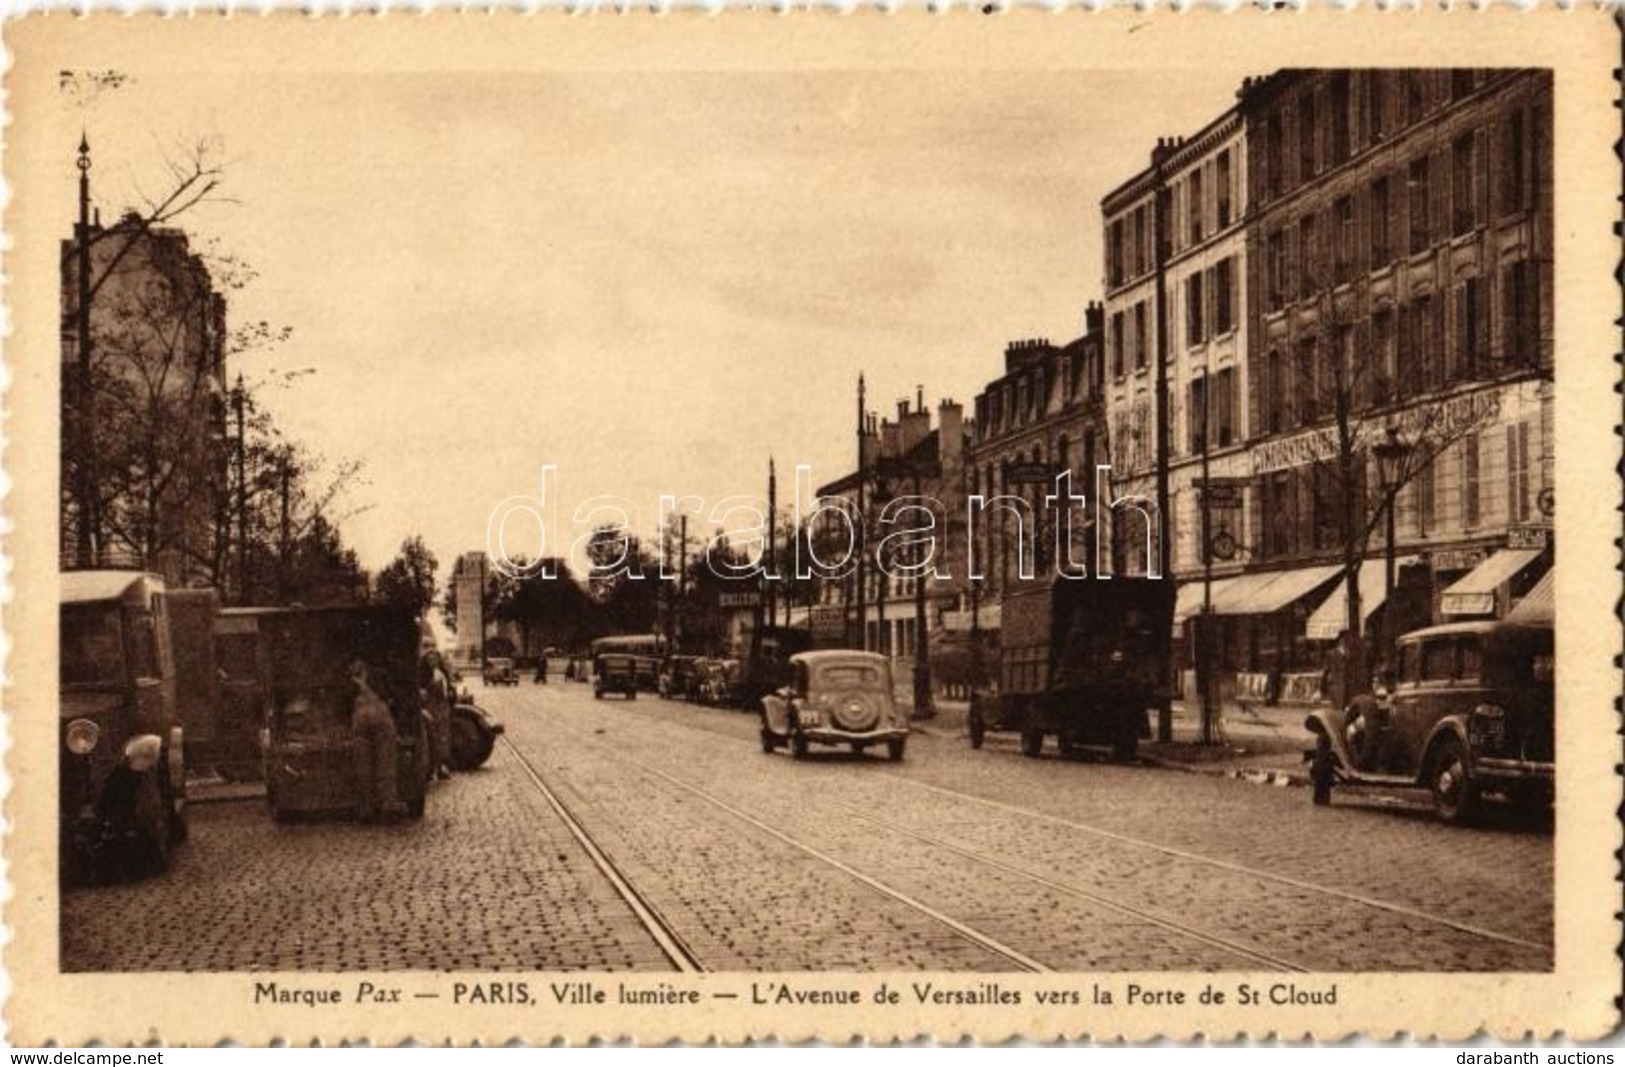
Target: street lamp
(1390, 453)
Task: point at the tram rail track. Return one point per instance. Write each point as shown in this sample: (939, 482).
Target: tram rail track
(1395, 908)
(664, 934)
(663, 930)
(1022, 960)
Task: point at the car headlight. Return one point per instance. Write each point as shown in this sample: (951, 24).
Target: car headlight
(82, 736)
(142, 753)
(1487, 727)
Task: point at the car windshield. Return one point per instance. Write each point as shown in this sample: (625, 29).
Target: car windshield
(92, 652)
(850, 676)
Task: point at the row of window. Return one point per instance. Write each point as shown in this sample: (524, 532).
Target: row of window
(1331, 119)
(1015, 402)
(1398, 355)
(990, 479)
(1403, 213)
(1204, 201)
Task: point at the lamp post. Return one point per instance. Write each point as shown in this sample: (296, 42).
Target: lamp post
(1204, 639)
(1390, 453)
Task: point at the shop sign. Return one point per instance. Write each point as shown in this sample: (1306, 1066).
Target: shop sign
(1528, 537)
(1457, 559)
(739, 600)
(827, 621)
(1442, 420)
(1030, 474)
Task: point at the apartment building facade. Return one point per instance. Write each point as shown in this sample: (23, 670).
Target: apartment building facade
(1401, 252)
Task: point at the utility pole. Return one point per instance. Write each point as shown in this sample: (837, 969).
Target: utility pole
(1204, 637)
(924, 705)
(239, 401)
(757, 614)
(86, 536)
(772, 540)
(1159, 255)
(682, 576)
(285, 546)
(860, 533)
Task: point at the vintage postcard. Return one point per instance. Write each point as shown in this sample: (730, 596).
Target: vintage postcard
(806, 525)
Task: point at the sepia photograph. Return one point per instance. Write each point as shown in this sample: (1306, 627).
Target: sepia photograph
(567, 533)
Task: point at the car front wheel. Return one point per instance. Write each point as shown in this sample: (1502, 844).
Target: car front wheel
(1455, 794)
(769, 742)
(798, 746)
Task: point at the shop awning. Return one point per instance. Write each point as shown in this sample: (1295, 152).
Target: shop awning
(1188, 602)
(1331, 618)
(1539, 607)
(1264, 594)
(1252, 594)
(1475, 594)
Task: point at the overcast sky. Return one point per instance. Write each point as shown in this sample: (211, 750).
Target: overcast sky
(654, 281)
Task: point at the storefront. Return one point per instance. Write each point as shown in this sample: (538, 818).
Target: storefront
(1258, 624)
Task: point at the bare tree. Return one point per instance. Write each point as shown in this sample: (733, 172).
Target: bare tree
(1358, 399)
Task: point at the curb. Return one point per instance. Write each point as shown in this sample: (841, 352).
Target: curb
(1255, 775)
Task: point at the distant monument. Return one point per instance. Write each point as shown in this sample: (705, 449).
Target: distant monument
(468, 579)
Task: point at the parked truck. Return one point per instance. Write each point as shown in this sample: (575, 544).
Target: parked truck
(122, 757)
(1082, 659)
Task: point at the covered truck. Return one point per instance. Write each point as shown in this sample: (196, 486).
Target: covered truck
(1082, 659)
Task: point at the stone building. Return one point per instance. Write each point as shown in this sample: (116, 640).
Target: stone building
(1042, 416)
(1399, 251)
(907, 456)
(1202, 180)
(1352, 263)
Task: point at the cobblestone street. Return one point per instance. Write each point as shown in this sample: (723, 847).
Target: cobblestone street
(952, 860)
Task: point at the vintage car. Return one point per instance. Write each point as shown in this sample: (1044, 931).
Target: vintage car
(473, 735)
(719, 681)
(680, 677)
(835, 697)
(310, 744)
(1469, 713)
(615, 672)
(123, 772)
(499, 670)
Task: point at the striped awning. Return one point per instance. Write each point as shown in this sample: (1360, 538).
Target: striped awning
(1475, 594)
(1539, 606)
(1253, 594)
(1331, 618)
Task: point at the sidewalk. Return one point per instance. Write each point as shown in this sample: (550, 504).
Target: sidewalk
(1262, 744)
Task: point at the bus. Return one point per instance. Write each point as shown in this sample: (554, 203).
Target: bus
(649, 649)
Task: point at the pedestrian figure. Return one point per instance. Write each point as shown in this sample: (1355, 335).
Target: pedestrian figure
(541, 670)
(374, 730)
(437, 692)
